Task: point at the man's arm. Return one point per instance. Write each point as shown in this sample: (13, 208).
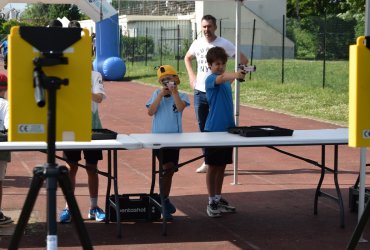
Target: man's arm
(188, 64)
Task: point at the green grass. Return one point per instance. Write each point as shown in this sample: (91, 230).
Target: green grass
(302, 93)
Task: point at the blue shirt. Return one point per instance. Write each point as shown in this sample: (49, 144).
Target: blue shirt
(220, 101)
(4, 46)
(167, 119)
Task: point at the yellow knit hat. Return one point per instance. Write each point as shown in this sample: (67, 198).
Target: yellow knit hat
(166, 70)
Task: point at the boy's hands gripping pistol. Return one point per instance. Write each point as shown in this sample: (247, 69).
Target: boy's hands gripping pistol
(246, 69)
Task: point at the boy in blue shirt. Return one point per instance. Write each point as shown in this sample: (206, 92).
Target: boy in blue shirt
(4, 47)
(166, 106)
(219, 119)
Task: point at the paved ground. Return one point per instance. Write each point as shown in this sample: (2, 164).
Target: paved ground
(274, 197)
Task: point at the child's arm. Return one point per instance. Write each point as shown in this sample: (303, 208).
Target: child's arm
(230, 76)
(98, 98)
(180, 104)
(154, 106)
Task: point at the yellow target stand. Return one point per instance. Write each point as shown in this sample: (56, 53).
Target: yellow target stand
(28, 122)
(359, 122)
(359, 94)
(50, 100)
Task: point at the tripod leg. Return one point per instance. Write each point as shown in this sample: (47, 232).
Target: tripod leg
(65, 184)
(36, 184)
(359, 228)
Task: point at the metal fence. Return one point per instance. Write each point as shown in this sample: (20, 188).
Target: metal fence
(166, 40)
(316, 38)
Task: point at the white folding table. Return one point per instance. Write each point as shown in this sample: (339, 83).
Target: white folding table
(321, 137)
(122, 142)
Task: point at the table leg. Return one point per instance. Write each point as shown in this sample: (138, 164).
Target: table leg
(116, 195)
(337, 188)
(322, 176)
(161, 193)
(109, 183)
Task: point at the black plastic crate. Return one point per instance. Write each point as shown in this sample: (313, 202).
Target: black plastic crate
(353, 198)
(136, 207)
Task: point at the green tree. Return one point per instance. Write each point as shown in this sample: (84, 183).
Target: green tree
(355, 9)
(304, 8)
(37, 14)
(6, 26)
(72, 12)
(40, 14)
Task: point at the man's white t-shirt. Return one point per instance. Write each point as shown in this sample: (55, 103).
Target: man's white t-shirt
(199, 49)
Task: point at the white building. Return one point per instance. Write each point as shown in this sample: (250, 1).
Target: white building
(268, 34)
(265, 15)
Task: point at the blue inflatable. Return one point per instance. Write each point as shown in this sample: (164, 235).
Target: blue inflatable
(108, 61)
(114, 68)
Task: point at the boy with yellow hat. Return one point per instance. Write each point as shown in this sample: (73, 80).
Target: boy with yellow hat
(166, 106)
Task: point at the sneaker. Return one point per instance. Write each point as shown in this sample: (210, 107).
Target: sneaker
(213, 210)
(224, 207)
(170, 209)
(168, 216)
(169, 206)
(5, 219)
(65, 216)
(202, 169)
(96, 214)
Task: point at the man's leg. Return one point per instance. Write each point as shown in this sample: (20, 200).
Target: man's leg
(201, 111)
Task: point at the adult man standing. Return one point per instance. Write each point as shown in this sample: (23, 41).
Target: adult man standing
(198, 50)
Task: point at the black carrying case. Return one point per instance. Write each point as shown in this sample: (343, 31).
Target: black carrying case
(103, 134)
(260, 131)
(136, 207)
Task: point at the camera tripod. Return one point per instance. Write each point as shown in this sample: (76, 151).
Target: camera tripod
(50, 171)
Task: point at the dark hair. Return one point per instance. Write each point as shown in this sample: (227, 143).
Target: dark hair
(210, 18)
(216, 53)
(74, 24)
(55, 23)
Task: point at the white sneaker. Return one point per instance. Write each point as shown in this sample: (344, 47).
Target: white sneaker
(202, 169)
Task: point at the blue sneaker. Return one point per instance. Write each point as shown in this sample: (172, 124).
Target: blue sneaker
(170, 209)
(65, 216)
(169, 206)
(96, 214)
